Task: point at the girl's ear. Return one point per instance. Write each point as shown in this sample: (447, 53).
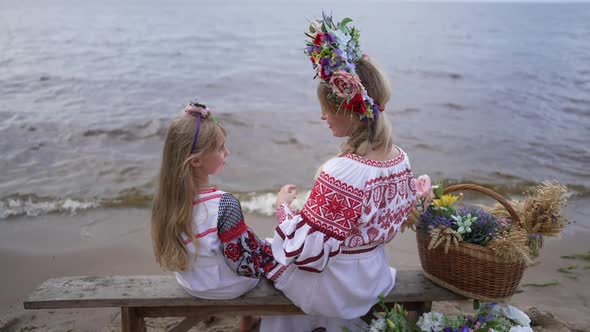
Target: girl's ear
(195, 162)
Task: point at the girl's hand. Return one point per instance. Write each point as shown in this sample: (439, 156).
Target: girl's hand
(287, 194)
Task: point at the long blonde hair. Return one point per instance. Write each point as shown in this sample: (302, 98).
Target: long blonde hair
(172, 209)
(370, 135)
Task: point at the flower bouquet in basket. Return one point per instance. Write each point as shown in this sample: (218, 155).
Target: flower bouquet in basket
(480, 252)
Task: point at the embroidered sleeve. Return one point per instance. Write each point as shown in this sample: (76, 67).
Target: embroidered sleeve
(309, 239)
(244, 253)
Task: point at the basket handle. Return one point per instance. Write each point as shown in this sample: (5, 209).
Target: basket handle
(488, 192)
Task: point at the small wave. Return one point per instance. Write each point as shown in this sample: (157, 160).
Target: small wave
(454, 106)
(152, 128)
(264, 203)
(115, 133)
(424, 146)
(576, 111)
(31, 205)
(521, 187)
(287, 141)
(132, 197)
(577, 101)
(410, 110)
(229, 118)
(441, 74)
(261, 203)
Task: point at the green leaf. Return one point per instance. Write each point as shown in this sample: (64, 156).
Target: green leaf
(345, 329)
(343, 23)
(438, 192)
(390, 323)
(476, 304)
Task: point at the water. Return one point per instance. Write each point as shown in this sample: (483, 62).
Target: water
(496, 94)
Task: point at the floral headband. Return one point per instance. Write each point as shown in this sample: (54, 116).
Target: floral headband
(333, 50)
(199, 111)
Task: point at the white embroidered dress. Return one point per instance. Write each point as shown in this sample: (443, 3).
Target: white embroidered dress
(331, 256)
(228, 259)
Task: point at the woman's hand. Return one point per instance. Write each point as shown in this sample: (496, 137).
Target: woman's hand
(287, 194)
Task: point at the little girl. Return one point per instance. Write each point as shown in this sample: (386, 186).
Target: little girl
(198, 231)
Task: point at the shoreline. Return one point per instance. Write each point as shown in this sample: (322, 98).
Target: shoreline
(117, 241)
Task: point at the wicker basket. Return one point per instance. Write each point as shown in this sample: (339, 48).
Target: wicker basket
(471, 270)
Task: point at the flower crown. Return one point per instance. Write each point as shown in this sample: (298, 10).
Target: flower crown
(333, 51)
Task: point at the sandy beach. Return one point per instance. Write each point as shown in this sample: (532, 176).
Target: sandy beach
(116, 241)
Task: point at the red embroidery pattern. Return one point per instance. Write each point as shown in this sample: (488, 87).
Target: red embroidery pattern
(333, 206)
(201, 200)
(207, 191)
(375, 163)
(318, 256)
(358, 251)
(278, 273)
(233, 232)
(387, 201)
(280, 213)
(233, 251)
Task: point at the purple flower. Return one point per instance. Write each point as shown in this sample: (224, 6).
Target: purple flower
(326, 66)
(376, 112)
(432, 218)
(329, 37)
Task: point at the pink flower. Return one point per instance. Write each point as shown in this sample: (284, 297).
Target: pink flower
(424, 187)
(345, 85)
(195, 110)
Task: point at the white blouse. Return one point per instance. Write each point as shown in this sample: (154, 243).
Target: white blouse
(355, 205)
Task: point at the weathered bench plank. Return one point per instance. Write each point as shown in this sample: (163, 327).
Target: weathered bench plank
(163, 291)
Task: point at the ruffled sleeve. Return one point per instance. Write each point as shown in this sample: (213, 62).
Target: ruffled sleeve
(310, 238)
(244, 253)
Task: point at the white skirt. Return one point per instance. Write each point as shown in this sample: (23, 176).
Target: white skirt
(346, 290)
(209, 277)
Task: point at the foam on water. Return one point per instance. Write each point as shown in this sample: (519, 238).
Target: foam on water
(35, 206)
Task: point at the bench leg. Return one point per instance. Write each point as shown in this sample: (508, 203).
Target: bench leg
(423, 307)
(131, 321)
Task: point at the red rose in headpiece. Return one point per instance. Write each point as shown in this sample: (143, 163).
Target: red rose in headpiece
(356, 104)
(318, 39)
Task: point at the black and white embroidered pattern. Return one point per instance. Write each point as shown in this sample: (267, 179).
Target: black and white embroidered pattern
(230, 215)
(244, 253)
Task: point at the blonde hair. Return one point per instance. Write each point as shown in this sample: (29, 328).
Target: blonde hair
(172, 209)
(370, 135)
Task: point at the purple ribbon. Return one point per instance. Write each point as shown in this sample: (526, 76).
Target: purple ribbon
(196, 133)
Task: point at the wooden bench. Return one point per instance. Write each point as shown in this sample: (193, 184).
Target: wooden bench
(160, 296)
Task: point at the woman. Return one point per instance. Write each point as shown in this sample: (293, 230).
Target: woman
(331, 254)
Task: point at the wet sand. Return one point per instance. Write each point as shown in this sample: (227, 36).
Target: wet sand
(116, 241)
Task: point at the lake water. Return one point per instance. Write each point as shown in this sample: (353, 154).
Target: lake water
(495, 94)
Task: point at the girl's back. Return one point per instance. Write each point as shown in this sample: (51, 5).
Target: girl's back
(216, 218)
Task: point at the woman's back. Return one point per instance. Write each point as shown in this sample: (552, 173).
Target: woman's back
(356, 205)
